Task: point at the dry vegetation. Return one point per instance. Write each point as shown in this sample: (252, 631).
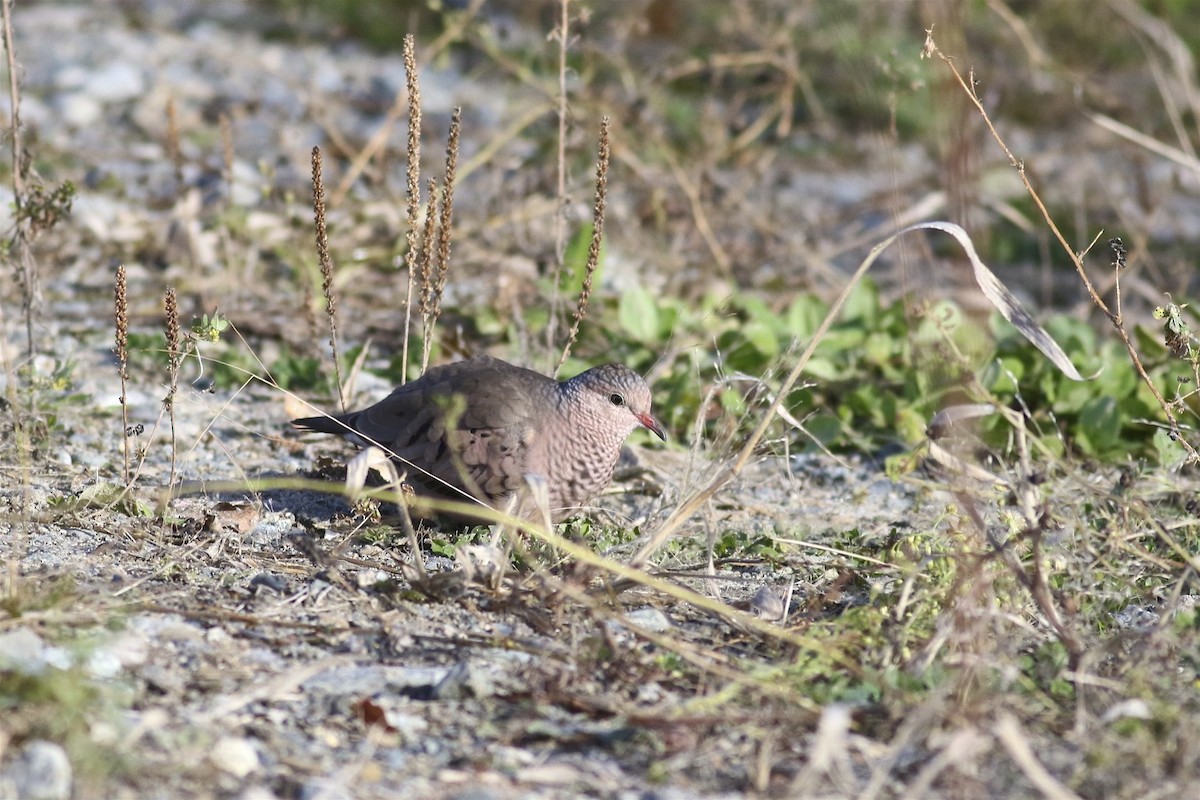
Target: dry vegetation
(898, 548)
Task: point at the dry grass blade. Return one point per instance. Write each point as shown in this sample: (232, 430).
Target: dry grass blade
(274, 687)
(1173, 154)
(1004, 301)
(696, 202)
(14, 109)
(1015, 741)
(1157, 35)
(503, 138)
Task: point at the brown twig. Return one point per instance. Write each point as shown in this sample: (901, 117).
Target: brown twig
(25, 267)
(968, 87)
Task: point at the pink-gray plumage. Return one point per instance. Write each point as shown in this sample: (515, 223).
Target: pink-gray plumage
(504, 422)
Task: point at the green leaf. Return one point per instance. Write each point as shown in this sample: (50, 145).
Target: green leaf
(106, 495)
(1100, 425)
(878, 348)
(863, 303)
(575, 261)
(821, 368)
(1170, 452)
(910, 425)
(804, 315)
(841, 340)
(759, 313)
(824, 427)
(762, 337)
(638, 314)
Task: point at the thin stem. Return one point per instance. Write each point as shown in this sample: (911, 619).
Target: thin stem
(14, 96)
(560, 213)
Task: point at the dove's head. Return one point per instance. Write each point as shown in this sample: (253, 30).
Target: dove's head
(617, 397)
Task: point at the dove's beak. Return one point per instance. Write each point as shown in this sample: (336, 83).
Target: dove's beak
(651, 424)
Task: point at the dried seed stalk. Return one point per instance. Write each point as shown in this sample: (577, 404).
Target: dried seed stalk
(174, 361)
(446, 214)
(425, 271)
(121, 315)
(593, 259)
(326, 268)
(414, 188)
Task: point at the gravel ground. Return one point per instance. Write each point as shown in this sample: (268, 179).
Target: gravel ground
(254, 647)
(263, 644)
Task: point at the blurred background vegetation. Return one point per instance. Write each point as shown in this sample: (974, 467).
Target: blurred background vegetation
(760, 148)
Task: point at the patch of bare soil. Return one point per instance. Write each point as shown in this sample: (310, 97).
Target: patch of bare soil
(270, 643)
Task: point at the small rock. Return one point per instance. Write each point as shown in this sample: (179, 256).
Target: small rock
(23, 651)
(1136, 617)
(235, 756)
(103, 664)
(79, 110)
(650, 693)
(115, 82)
(257, 793)
(41, 771)
(650, 619)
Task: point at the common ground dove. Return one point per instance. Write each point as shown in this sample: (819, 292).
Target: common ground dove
(505, 422)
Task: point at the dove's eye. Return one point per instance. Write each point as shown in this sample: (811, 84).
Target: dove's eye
(616, 399)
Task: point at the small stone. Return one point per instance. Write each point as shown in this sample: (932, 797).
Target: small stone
(24, 652)
(79, 109)
(235, 756)
(115, 82)
(40, 771)
(650, 619)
